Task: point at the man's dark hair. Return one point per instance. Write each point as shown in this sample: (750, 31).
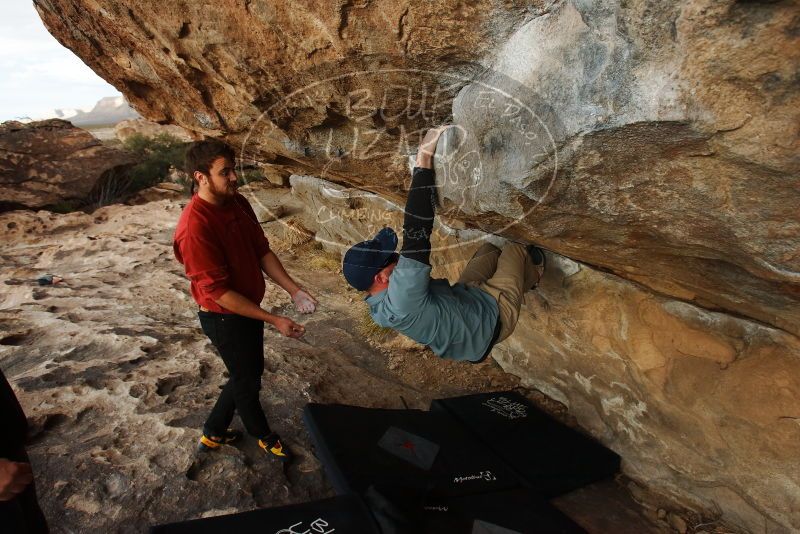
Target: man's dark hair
(201, 154)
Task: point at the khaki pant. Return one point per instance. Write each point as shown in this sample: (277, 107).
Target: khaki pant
(505, 275)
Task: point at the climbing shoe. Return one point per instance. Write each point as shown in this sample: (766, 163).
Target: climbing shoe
(210, 442)
(539, 259)
(273, 447)
(536, 254)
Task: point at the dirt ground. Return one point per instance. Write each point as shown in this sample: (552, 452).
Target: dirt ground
(117, 378)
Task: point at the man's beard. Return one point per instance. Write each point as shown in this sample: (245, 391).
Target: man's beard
(224, 193)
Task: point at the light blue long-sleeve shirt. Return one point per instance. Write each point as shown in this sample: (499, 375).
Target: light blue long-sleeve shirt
(456, 321)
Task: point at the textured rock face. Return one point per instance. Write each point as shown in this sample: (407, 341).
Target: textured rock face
(701, 405)
(47, 162)
(659, 142)
(655, 145)
(691, 399)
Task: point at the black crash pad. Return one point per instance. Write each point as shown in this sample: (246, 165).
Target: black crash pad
(519, 511)
(547, 455)
(352, 444)
(343, 514)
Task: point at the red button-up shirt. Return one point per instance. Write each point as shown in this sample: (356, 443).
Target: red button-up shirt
(221, 248)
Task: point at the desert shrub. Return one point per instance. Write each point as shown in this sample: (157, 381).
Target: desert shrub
(114, 185)
(64, 206)
(155, 156)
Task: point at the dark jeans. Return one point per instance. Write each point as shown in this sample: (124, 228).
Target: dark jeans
(22, 514)
(240, 343)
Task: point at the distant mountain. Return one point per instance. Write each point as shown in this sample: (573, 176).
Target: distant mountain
(109, 110)
(66, 114)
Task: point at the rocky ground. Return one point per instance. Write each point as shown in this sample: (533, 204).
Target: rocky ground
(116, 377)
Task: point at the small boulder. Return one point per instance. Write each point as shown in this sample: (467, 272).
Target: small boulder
(50, 163)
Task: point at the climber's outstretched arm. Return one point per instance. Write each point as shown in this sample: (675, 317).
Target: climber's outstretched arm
(420, 206)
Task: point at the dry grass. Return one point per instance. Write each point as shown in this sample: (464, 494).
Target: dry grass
(289, 231)
(295, 233)
(403, 343)
(322, 260)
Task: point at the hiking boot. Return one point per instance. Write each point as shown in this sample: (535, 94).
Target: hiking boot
(210, 442)
(274, 448)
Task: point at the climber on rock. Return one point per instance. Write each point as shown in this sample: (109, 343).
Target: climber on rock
(225, 254)
(462, 321)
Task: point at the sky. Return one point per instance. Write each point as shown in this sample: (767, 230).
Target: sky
(37, 74)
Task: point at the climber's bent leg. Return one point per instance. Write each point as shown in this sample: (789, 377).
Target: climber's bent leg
(514, 275)
(482, 265)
